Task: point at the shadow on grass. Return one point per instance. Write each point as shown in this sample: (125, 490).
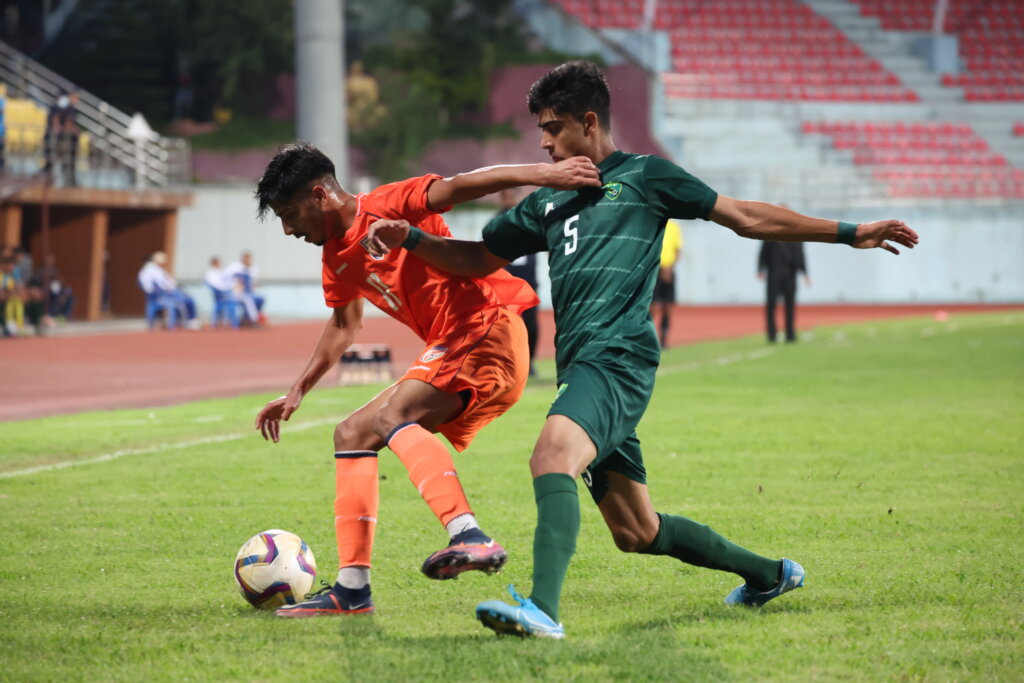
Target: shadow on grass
(369, 649)
(627, 655)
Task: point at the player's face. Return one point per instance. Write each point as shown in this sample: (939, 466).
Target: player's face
(302, 218)
(562, 135)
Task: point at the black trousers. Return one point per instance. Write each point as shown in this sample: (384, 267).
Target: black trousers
(530, 320)
(781, 286)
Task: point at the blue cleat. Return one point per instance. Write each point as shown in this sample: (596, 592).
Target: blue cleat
(524, 619)
(468, 551)
(330, 601)
(792, 577)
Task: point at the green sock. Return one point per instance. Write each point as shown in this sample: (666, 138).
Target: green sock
(554, 541)
(699, 544)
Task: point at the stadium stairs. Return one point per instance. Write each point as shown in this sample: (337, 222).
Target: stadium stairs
(745, 111)
(890, 38)
(112, 159)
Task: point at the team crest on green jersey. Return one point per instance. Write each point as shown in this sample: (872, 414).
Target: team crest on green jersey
(612, 190)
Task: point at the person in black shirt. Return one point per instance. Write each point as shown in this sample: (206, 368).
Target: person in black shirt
(62, 132)
(778, 264)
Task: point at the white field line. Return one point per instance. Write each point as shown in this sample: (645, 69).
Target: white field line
(156, 448)
(164, 447)
(150, 420)
(721, 360)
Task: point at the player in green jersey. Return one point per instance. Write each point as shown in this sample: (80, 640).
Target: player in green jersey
(603, 253)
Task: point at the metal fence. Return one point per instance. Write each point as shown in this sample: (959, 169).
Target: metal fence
(111, 158)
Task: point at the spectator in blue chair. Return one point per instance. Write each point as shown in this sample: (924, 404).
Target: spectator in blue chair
(244, 273)
(162, 293)
(226, 300)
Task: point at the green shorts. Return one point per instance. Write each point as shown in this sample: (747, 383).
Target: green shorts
(607, 396)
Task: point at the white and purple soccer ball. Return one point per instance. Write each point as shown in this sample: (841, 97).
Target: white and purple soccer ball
(275, 568)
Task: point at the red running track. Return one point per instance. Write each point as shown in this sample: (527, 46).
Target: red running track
(67, 374)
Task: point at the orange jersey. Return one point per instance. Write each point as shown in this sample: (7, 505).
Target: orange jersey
(429, 301)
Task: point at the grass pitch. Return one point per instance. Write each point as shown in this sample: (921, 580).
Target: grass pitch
(886, 458)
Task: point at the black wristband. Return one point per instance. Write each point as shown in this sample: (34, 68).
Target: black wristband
(412, 239)
(847, 233)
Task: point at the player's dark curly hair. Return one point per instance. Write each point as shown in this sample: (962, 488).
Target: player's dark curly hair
(292, 169)
(573, 88)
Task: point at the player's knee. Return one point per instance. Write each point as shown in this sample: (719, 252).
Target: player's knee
(628, 540)
(352, 435)
(548, 462)
(384, 423)
(556, 460)
(632, 538)
(389, 418)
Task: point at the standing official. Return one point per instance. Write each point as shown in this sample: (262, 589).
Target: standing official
(778, 265)
(665, 287)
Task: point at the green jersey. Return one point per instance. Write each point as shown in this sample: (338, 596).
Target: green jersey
(604, 250)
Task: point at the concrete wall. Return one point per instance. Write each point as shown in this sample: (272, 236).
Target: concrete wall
(967, 254)
(222, 222)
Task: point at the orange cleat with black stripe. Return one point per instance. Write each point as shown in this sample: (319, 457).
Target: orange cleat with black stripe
(330, 601)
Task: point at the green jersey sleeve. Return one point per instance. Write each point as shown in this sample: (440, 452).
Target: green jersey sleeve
(516, 232)
(674, 193)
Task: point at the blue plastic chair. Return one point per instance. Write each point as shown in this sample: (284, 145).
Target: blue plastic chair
(225, 308)
(157, 303)
(257, 299)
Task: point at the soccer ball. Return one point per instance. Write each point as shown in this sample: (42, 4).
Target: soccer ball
(274, 568)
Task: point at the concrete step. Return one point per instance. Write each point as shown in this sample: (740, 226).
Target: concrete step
(838, 11)
(755, 149)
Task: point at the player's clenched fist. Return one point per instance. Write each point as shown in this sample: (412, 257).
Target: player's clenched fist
(572, 174)
(386, 234)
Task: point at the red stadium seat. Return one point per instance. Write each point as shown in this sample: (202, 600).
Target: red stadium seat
(991, 41)
(781, 45)
(926, 160)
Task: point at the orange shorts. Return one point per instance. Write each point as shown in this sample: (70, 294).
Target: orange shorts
(489, 360)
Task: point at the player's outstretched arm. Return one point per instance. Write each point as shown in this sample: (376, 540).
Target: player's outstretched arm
(339, 333)
(459, 257)
(761, 221)
(568, 174)
(880, 233)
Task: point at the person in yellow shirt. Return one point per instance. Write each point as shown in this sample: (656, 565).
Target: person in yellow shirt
(665, 288)
(10, 300)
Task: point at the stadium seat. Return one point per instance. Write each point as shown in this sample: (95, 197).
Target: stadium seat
(991, 40)
(226, 309)
(747, 49)
(158, 305)
(925, 159)
(25, 123)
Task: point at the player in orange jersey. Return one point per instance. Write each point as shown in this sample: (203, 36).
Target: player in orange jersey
(473, 367)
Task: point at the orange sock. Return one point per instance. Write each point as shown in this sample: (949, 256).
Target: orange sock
(431, 470)
(355, 506)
